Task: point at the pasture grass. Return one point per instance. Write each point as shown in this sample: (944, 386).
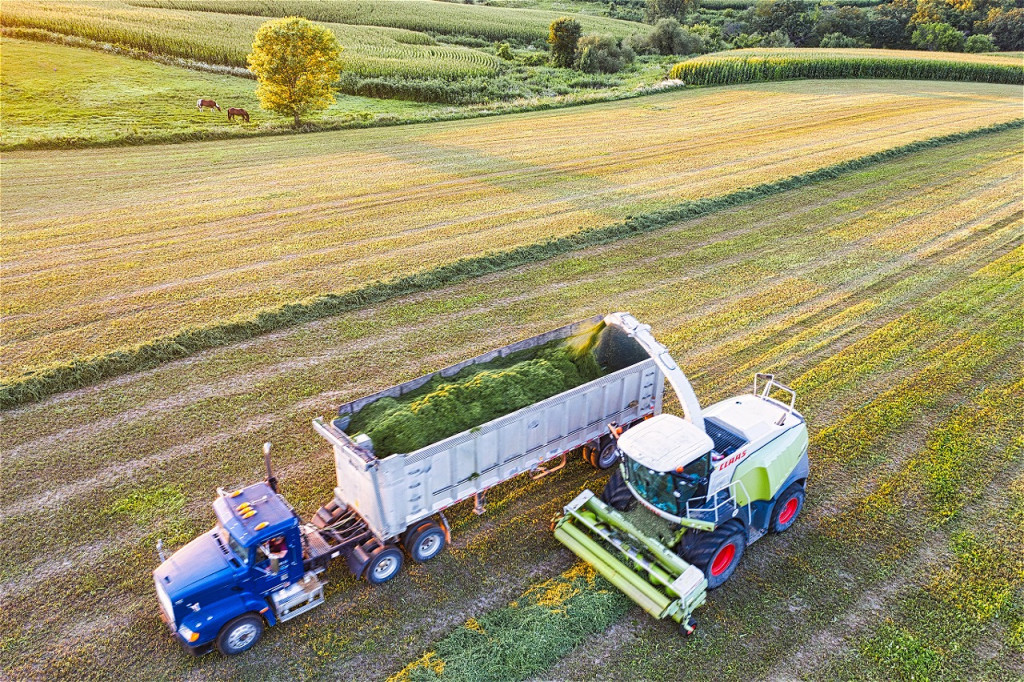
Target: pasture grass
(361, 214)
(804, 602)
(58, 96)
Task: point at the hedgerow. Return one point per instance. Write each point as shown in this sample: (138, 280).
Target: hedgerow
(728, 71)
(38, 383)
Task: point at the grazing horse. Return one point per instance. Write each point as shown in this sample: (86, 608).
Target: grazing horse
(208, 103)
(241, 113)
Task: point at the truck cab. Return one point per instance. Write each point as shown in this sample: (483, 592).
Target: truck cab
(248, 571)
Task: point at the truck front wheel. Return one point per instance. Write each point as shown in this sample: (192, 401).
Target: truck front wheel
(384, 564)
(240, 634)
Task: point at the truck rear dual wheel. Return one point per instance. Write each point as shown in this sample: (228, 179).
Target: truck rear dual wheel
(240, 634)
(718, 553)
(384, 564)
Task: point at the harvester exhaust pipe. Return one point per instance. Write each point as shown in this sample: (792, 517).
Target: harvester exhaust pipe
(271, 479)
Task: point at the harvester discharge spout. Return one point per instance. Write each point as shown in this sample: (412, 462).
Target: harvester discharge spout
(641, 333)
(645, 570)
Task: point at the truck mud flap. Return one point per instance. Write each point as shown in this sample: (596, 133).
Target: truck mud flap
(646, 571)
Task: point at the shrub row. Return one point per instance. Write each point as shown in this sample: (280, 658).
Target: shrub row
(41, 382)
(729, 71)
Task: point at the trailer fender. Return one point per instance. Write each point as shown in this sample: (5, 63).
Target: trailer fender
(208, 621)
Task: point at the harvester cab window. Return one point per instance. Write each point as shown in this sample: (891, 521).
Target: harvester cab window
(670, 490)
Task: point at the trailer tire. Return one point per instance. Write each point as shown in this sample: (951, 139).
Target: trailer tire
(718, 553)
(787, 507)
(608, 455)
(240, 634)
(426, 542)
(616, 494)
(384, 564)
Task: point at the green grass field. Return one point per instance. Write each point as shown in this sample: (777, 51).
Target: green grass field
(268, 221)
(65, 96)
(889, 297)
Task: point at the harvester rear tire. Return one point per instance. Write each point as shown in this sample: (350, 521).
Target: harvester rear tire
(718, 553)
(615, 494)
(787, 507)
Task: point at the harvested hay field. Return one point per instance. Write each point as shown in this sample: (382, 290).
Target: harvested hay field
(890, 298)
(151, 241)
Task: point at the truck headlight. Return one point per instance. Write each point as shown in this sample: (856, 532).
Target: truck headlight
(187, 634)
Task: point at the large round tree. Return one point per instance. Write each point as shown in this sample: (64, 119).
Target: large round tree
(296, 63)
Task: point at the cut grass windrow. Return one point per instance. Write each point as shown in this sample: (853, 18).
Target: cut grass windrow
(62, 376)
(523, 639)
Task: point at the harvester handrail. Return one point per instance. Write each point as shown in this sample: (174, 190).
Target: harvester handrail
(729, 500)
(771, 384)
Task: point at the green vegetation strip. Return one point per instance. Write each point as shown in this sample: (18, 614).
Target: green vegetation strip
(760, 69)
(38, 383)
(524, 638)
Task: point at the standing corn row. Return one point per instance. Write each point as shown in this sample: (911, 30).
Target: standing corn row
(757, 69)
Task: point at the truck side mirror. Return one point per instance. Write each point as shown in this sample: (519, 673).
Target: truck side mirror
(275, 565)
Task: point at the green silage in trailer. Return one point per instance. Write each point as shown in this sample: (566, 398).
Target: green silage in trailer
(478, 394)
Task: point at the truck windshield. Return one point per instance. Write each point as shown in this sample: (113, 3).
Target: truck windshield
(668, 491)
(236, 547)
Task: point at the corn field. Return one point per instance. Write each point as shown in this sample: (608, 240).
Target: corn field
(727, 71)
(368, 50)
(491, 23)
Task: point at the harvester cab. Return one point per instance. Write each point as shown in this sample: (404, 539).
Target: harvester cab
(689, 495)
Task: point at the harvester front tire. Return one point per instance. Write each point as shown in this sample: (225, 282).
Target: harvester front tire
(787, 507)
(384, 564)
(426, 542)
(240, 634)
(615, 494)
(718, 553)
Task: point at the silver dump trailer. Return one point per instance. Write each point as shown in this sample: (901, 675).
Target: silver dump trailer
(398, 501)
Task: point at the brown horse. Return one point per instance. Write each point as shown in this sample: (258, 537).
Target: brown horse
(241, 113)
(208, 103)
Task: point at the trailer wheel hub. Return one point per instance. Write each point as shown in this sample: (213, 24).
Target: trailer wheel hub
(723, 559)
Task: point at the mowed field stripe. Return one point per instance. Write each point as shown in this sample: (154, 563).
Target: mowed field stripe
(825, 280)
(226, 229)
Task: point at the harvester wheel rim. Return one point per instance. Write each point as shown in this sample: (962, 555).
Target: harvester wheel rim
(789, 511)
(723, 559)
